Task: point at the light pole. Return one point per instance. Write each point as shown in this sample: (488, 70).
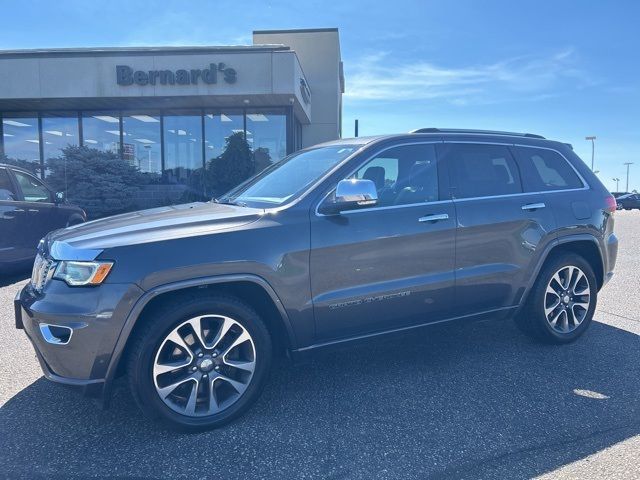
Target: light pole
(616, 180)
(593, 148)
(627, 164)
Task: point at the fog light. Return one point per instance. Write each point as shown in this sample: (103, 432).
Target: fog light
(55, 334)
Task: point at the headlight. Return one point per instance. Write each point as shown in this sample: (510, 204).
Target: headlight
(82, 273)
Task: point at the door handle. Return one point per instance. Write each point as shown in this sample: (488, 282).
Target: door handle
(533, 206)
(434, 218)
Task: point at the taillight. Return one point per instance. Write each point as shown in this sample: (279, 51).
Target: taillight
(610, 204)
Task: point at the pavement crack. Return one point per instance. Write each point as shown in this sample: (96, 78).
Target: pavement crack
(474, 465)
(620, 316)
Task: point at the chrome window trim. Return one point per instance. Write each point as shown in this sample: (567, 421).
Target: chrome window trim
(364, 162)
(582, 179)
(585, 184)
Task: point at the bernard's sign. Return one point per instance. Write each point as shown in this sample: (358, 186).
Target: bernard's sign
(217, 72)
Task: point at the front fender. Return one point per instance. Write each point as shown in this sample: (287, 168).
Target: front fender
(144, 300)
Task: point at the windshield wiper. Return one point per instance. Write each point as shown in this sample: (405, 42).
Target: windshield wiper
(229, 202)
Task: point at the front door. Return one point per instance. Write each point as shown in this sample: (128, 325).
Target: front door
(391, 265)
(12, 221)
(43, 215)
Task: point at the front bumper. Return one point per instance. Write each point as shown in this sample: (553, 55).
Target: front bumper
(94, 316)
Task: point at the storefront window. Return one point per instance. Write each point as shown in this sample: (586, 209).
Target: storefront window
(58, 132)
(101, 130)
(217, 129)
(141, 141)
(21, 140)
(267, 136)
(182, 146)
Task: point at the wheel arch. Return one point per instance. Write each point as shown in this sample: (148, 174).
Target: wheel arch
(74, 219)
(252, 289)
(585, 245)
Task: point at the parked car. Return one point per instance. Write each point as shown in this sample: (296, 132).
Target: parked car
(628, 201)
(342, 241)
(29, 209)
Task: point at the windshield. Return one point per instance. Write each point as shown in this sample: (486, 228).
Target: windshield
(288, 178)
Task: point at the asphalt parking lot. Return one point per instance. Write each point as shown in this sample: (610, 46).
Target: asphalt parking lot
(460, 401)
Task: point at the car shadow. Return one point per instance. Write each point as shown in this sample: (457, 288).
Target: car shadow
(458, 401)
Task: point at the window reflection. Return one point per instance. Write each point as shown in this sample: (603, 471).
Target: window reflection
(217, 129)
(101, 130)
(267, 136)
(182, 145)
(141, 141)
(21, 139)
(58, 132)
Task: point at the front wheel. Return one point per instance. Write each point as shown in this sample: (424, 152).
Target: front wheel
(561, 304)
(200, 364)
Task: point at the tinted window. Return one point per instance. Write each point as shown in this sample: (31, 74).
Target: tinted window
(403, 175)
(32, 189)
(483, 170)
(7, 191)
(544, 170)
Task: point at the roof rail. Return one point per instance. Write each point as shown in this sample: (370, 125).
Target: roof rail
(472, 131)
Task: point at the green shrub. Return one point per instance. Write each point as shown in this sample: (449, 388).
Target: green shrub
(100, 182)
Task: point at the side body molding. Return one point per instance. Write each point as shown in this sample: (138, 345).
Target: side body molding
(139, 306)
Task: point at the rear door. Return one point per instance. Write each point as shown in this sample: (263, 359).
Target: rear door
(12, 221)
(43, 215)
(391, 265)
(500, 227)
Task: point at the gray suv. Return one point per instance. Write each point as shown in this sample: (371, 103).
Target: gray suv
(346, 240)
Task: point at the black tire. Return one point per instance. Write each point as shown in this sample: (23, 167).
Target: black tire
(149, 339)
(531, 318)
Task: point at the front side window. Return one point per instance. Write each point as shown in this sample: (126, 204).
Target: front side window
(544, 170)
(288, 178)
(7, 192)
(481, 170)
(32, 189)
(403, 175)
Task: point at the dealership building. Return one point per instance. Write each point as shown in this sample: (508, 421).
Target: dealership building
(169, 110)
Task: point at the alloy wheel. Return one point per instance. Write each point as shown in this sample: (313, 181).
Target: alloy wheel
(567, 299)
(204, 365)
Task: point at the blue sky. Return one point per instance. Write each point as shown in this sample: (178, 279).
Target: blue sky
(564, 69)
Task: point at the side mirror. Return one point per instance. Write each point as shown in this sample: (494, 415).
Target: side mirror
(351, 194)
(59, 197)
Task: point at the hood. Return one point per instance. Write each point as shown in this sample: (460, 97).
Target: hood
(165, 223)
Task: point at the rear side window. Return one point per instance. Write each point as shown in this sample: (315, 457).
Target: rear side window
(7, 192)
(481, 170)
(544, 170)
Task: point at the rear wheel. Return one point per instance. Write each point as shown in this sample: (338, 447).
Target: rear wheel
(561, 304)
(200, 364)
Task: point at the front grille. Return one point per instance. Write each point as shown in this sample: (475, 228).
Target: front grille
(42, 272)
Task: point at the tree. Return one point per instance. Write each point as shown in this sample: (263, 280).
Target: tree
(233, 166)
(100, 182)
(33, 167)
